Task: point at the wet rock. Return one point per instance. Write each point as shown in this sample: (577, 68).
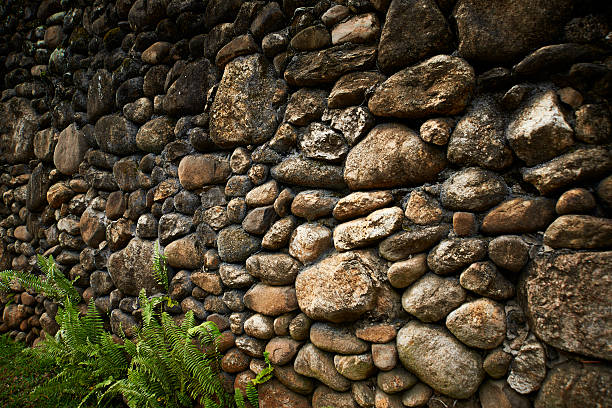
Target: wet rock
(579, 232)
(566, 300)
(355, 367)
(242, 112)
(70, 150)
(271, 300)
(360, 29)
(405, 243)
(484, 279)
(312, 362)
(519, 215)
(308, 173)
(453, 254)
(115, 134)
(314, 68)
(361, 203)
(528, 368)
(130, 268)
(571, 384)
(479, 139)
(473, 189)
(575, 201)
(350, 89)
(154, 135)
(432, 297)
(539, 132)
(309, 242)
(319, 141)
(580, 165)
(480, 323)
(339, 288)
(439, 360)
(188, 93)
(391, 155)
(441, 85)
(273, 268)
(336, 339)
(196, 171)
(493, 34)
(429, 34)
(365, 231)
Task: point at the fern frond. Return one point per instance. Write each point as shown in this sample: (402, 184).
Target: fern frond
(160, 269)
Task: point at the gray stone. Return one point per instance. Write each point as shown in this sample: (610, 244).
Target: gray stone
(353, 122)
(100, 95)
(432, 297)
(273, 268)
(528, 368)
(172, 226)
(336, 339)
(365, 231)
(70, 150)
(473, 189)
(131, 268)
(312, 362)
(453, 254)
(321, 142)
(405, 243)
(396, 380)
(480, 323)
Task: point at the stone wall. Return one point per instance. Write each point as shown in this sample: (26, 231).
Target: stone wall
(405, 202)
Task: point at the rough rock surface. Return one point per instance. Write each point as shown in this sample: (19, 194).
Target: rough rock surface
(130, 268)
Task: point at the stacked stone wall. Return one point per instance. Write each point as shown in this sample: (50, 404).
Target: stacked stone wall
(405, 202)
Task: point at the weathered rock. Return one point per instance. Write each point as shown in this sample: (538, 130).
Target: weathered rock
(478, 138)
(70, 150)
(313, 204)
(241, 45)
(258, 220)
(402, 274)
(93, 227)
(496, 363)
(273, 394)
(125, 173)
(359, 29)
(575, 201)
(566, 301)
(279, 233)
(437, 131)
(473, 189)
(325, 397)
(172, 226)
(429, 34)
(353, 122)
(417, 396)
(441, 85)
(281, 349)
(440, 360)
(519, 215)
(432, 297)
(273, 268)
(154, 135)
(336, 339)
(319, 141)
(326, 66)
(504, 31)
(306, 105)
(187, 94)
(579, 232)
(391, 155)
(361, 203)
(100, 95)
(498, 394)
(36, 189)
(405, 243)
(58, 194)
(309, 242)
(44, 144)
(579, 165)
(312, 362)
(351, 88)
(115, 134)
(292, 380)
(593, 124)
(156, 53)
(396, 380)
(260, 327)
(271, 300)
(242, 112)
(196, 171)
(574, 384)
(304, 172)
(184, 253)
(236, 245)
(131, 270)
(376, 333)
(528, 368)
(365, 231)
(311, 38)
(453, 254)
(355, 367)
(341, 287)
(484, 279)
(480, 323)
(539, 132)
(123, 323)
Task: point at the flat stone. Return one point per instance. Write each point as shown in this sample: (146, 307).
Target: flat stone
(480, 323)
(309, 242)
(539, 131)
(242, 112)
(361, 203)
(341, 287)
(271, 300)
(93, 227)
(453, 254)
(335, 14)
(567, 303)
(360, 29)
(543, 59)
(365, 231)
(258, 220)
(131, 270)
(492, 34)
(196, 171)
(350, 89)
(391, 155)
(473, 189)
(70, 150)
(313, 204)
(376, 333)
(432, 297)
(579, 232)
(273, 268)
(441, 85)
(58, 194)
(100, 95)
(439, 359)
(306, 105)
(210, 282)
(580, 165)
(292, 380)
(479, 138)
(336, 339)
(312, 362)
(405, 243)
(429, 34)
(304, 172)
(519, 215)
(314, 68)
(484, 279)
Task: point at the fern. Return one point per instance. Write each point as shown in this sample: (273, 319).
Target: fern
(160, 269)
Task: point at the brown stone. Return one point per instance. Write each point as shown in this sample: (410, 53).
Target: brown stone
(575, 201)
(519, 215)
(350, 89)
(196, 171)
(464, 224)
(361, 203)
(241, 45)
(156, 53)
(273, 394)
(579, 232)
(271, 300)
(311, 38)
(360, 29)
(70, 150)
(309, 241)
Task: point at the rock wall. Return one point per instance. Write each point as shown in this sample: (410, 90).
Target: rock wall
(405, 202)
